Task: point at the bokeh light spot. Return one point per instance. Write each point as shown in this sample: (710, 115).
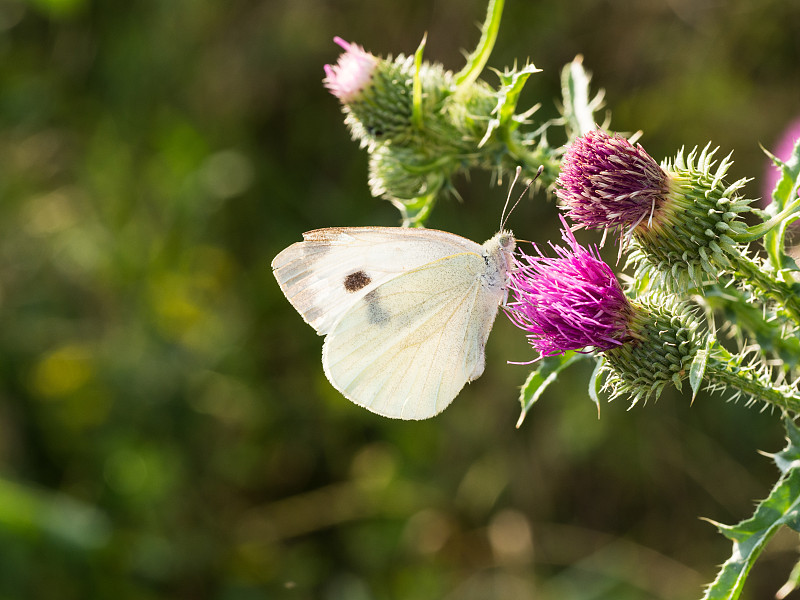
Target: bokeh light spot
(63, 371)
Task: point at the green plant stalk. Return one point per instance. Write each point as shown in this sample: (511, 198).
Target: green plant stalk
(761, 229)
(752, 272)
(531, 160)
(734, 306)
(727, 371)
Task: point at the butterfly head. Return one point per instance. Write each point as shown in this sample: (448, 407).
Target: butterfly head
(506, 240)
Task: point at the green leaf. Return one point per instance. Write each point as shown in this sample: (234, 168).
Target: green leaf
(789, 458)
(781, 507)
(477, 60)
(579, 107)
(596, 383)
(698, 368)
(785, 208)
(511, 84)
(736, 308)
(792, 583)
(545, 373)
(417, 210)
(416, 88)
(786, 188)
(793, 435)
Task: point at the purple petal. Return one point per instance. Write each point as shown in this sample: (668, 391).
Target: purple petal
(571, 302)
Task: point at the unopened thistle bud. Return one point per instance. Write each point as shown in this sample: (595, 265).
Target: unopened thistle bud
(377, 93)
(393, 173)
(351, 75)
(574, 302)
(682, 218)
(422, 124)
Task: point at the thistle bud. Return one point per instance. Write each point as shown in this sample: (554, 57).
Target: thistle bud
(682, 218)
(399, 172)
(377, 93)
(353, 72)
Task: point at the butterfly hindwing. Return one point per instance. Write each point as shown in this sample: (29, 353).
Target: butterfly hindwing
(409, 345)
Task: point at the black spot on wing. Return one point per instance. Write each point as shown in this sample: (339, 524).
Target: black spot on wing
(356, 281)
(376, 314)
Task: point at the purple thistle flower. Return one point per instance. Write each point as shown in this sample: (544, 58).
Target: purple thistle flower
(352, 72)
(608, 183)
(572, 302)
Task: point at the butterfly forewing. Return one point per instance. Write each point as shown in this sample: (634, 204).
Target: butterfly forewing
(333, 268)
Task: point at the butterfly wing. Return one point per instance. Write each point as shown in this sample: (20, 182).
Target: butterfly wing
(406, 348)
(332, 269)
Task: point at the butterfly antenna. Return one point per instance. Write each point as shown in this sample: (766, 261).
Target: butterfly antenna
(508, 197)
(504, 217)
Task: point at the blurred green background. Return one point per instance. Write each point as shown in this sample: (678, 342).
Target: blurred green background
(166, 430)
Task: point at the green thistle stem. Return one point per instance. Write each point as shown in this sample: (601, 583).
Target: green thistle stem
(531, 160)
(728, 371)
(760, 230)
(735, 307)
(777, 290)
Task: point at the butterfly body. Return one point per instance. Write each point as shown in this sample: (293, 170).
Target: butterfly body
(406, 312)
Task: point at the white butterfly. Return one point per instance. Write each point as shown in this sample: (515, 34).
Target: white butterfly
(406, 312)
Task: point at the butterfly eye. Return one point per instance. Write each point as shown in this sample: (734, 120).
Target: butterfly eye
(356, 281)
(507, 241)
